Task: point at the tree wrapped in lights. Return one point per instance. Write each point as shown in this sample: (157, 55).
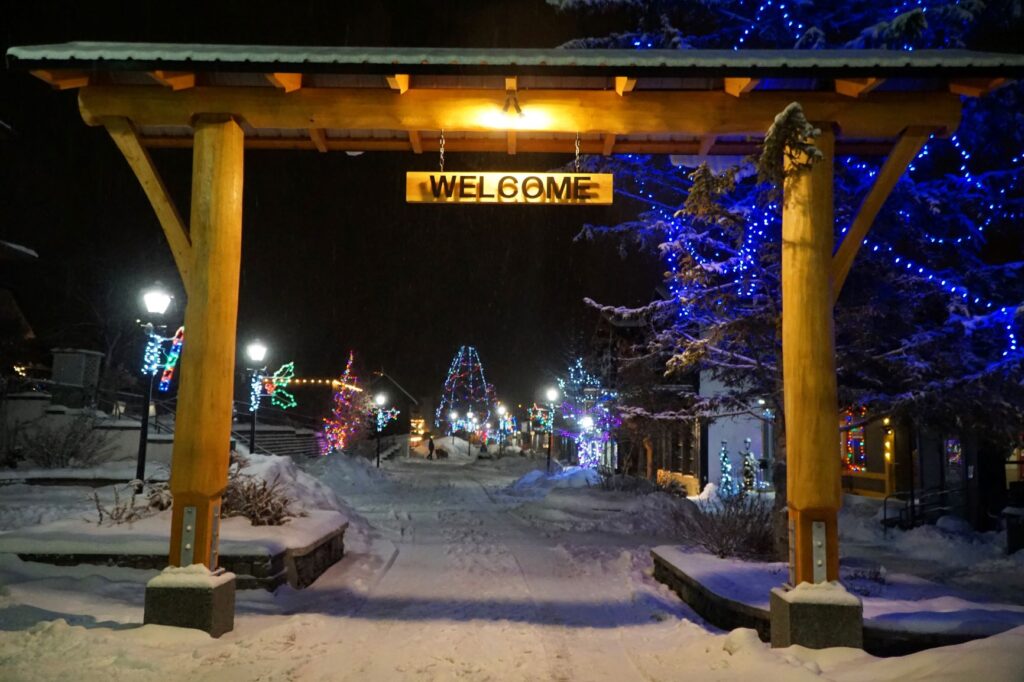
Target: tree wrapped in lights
(588, 414)
(726, 482)
(928, 322)
(348, 421)
(465, 392)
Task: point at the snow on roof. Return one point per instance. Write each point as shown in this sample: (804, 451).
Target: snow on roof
(465, 60)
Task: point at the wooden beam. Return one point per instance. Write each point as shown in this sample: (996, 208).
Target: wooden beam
(976, 87)
(740, 86)
(510, 141)
(175, 80)
(319, 138)
(202, 435)
(289, 82)
(855, 87)
(62, 80)
(808, 366)
(903, 152)
(607, 144)
(624, 84)
(524, 145)
(399, 81)
(511, 84)
(127, 140)
(415, 142)
(877, 115)
(706, 143)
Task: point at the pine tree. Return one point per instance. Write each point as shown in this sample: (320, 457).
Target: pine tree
(749, 468)
(349, 421)
(465, 390)
(726, 482)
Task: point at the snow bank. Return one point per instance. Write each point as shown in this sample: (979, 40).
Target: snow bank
(571, 477)
(304, 491)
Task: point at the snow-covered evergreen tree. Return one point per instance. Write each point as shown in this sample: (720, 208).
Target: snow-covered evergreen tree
(749, 468)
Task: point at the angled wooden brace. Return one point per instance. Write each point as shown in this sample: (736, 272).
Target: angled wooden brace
(127, 140)
(903, 152)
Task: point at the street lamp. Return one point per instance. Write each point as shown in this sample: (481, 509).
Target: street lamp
(552, 395)
(587, 422)
(156, 302)
(256, 352)
(501, 429)
(379, 399)
(451, 431)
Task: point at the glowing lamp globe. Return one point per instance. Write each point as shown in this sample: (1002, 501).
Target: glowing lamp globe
(256, 351)
(552, 394)
(454, 416)
(501, 410)
(587, 422)
(469, 415)
(380, 399)
(156, 301)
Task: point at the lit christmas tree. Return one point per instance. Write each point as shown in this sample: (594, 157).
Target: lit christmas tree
(726, 483)
(348, 421)
(587, 414)
(749, 468)
(465, 392)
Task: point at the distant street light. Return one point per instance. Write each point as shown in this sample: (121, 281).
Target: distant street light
(501, 429)
(451, 430)
(380, 399)
(156, 301)
(552, 395)
(256, 352)
(587, 422)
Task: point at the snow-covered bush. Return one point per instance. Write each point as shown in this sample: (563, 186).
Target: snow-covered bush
(263, 502)
(739, 526)
(75, 444)
(128, 510)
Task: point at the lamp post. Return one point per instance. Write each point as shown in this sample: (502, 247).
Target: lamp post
(256, 352)
(156, 301)
(470, 429)
(379, 399)
(552, 395)
(451, 431)
(501, 430)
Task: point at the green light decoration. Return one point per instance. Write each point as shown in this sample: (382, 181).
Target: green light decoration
(275, 385)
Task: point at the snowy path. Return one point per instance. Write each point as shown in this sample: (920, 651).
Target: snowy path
(453, 579)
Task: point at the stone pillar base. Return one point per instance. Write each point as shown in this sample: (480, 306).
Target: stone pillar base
(192, 600)
(816, 616)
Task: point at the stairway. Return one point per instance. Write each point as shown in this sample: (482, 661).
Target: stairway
(280, 440)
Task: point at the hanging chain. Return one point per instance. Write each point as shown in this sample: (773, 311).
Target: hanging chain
(577, 162)
(442, 150)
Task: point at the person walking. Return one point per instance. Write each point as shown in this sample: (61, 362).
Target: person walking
(430, 447)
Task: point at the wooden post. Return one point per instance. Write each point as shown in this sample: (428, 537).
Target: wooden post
(809, 375)
(201, 455)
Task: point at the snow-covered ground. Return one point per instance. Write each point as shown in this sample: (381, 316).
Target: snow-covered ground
(452, 573)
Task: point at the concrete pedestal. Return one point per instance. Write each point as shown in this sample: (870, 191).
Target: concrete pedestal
(192, 600)
(817, 617)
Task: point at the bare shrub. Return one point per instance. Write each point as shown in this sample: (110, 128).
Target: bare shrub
(624, 482)
(76, 444)
(136, 506)
(258, 500)
(739, 526)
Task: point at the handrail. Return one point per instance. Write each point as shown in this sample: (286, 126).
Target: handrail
(919, 498)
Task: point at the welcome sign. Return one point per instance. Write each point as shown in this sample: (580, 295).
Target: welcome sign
(542, 189)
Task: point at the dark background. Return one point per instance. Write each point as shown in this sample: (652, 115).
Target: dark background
(333, 257)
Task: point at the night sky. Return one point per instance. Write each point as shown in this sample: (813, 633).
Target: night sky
(333, 257)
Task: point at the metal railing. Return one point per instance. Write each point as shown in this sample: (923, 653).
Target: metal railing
(921, 506)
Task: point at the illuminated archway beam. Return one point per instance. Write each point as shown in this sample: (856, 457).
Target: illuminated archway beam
(874, 115)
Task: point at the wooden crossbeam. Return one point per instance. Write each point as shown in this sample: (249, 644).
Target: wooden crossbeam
(976, 87)
(127, 140)
(318, 136)
(510, 141)
(62, 80)
(877, 115)
(398, 81)
(415, 141)
(740, 86)
(855, 87)
(903, 152)
(175, 80)
(624, 84)
(289, 82)
(524, 145)
(607, 144)
(511, 84)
